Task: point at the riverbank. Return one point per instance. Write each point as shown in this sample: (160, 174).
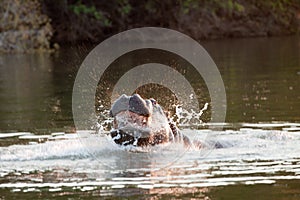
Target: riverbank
(23, 27)
(37, 25)
(208, 19)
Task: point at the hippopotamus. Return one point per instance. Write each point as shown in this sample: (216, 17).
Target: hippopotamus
(142, 122)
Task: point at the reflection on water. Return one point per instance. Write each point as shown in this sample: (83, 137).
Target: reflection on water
(261, 76)
(25, 90)
(255, 157)
(36, 90)
(259, 155)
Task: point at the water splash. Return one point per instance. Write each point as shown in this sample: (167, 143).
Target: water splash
(188, 118)
(182, 117)
(254, 156)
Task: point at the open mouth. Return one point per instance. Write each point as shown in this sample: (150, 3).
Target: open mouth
(133, 129)
(138, 122)
(133, 124)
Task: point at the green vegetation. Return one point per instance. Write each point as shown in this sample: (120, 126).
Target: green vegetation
(80, 9)
(124, 7)
(94, 20)
(213, 5)
(30, 25)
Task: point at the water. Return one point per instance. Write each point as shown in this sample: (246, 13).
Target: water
(42, 157)
(61, 166)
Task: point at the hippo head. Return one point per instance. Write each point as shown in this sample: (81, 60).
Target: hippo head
(139, 122)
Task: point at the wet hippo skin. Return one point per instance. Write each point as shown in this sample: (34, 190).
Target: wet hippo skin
(142, 122)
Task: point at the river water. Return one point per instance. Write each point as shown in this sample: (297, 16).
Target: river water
(42, 156)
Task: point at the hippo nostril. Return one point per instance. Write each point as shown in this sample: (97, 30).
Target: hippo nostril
(121, 104)
(139, 105)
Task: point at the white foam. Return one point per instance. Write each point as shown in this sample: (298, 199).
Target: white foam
(118, 186)
(57, 189)
(7, 135)
(260, 182)
(42, 151)
(34, 137)
(256, 156)
(87, 188)
(270, 125)
(292, 129)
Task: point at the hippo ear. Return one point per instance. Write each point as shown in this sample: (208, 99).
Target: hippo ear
(138, 105)
(121, 104)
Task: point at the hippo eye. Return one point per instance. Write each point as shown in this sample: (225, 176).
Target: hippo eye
(153, 101)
